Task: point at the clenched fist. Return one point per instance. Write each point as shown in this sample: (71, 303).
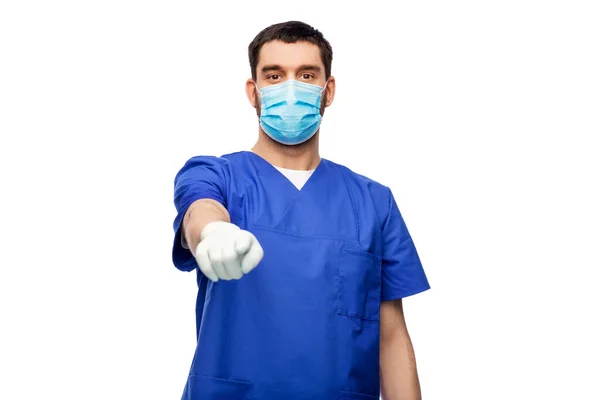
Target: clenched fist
(226, 251)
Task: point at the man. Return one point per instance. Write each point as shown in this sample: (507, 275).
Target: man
(303, 263)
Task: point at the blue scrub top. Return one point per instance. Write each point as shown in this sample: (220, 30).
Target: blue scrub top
(305, 323)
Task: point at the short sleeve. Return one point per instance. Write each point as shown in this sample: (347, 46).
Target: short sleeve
(200, 178)
(402, 272)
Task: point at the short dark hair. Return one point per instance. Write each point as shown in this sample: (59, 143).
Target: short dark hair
(290, 32)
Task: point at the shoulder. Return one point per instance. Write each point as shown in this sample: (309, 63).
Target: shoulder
(367, 192)
(360, 181)
(203, 168)
(205, 161)
(218, 164)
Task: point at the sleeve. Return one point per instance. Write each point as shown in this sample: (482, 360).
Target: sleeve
(200, 178)
(402, 272)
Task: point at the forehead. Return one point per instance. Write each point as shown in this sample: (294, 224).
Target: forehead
(289, 55)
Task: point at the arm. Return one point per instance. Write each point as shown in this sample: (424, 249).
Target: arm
(202, 180)
(398, 369)
(402, 276)
(198, 215)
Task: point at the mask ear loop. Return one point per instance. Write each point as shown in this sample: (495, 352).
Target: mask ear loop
(259, 95)
(326, 82)
(322, 90)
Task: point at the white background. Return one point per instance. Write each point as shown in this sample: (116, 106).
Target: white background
(483, 117)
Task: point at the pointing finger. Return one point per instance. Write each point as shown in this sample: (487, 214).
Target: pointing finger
(243, 242)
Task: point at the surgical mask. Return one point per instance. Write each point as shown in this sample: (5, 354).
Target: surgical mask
(290, 111)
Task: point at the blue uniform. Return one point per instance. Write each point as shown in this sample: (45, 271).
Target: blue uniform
(305, 323)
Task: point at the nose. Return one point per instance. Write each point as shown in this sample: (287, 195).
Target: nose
(291, 97)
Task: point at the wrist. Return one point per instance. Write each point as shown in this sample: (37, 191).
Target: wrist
(217, 226)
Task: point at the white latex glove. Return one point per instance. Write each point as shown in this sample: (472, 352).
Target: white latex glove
(226, 251)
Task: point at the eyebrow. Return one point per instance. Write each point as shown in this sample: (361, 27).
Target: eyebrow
(309, 67)
(306, 67)
(268, 68)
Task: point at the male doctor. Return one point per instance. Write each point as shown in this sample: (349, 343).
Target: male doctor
(302, 263)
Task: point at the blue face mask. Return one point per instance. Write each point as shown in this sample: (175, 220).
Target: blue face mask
(290, 111)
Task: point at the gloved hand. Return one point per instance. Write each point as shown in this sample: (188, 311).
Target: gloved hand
(226, 251)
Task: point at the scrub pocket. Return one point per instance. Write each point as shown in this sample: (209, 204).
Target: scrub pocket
(205, 388)
(357, 396)
(358, 284)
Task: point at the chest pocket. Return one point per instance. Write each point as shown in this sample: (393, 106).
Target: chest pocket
(358, 284)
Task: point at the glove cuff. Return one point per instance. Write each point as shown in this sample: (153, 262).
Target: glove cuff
(217, 227)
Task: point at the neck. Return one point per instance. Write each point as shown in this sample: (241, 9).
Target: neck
(304, 156)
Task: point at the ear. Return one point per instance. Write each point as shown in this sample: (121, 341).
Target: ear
(330, 89)
(251, 92)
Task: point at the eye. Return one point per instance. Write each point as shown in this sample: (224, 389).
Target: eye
(306, 76)
(273, 77)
